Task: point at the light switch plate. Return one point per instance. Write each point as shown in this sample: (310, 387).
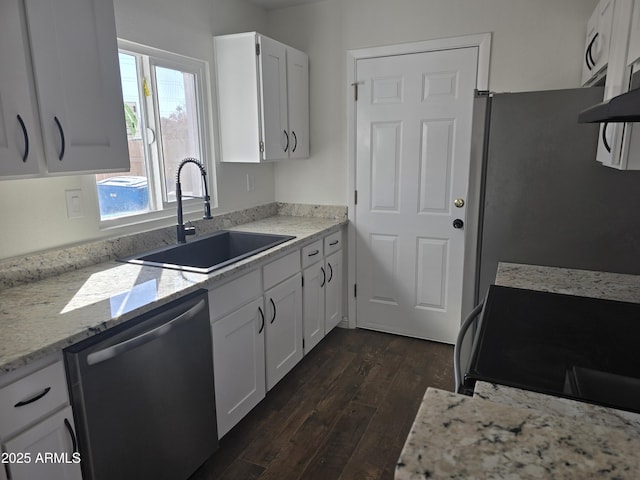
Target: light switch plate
(74, 203)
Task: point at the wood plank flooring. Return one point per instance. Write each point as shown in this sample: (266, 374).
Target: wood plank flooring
(343, 412)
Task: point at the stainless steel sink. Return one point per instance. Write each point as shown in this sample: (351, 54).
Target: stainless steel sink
(209, 253)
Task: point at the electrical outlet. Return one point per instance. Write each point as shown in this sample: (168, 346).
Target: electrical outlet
(250, 183)
(74, 203)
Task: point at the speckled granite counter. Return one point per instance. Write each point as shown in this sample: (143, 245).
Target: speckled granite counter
(460, 437)
(507, 433)
(43, 317)
(583, 283)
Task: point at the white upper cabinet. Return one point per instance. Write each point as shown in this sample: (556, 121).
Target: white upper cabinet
(263, 99)
(77, 79)
(20, 138)
(597, 42)
(634, 39)
(298, 90)
(614, 140)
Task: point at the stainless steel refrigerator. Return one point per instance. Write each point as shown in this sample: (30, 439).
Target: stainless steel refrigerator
(544, 199)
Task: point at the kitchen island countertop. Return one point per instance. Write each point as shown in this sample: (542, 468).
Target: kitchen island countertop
(43, 317)
(504, 432)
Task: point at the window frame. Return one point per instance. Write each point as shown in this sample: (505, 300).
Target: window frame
(147, 59)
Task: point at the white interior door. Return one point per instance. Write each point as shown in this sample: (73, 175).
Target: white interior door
(412, 162)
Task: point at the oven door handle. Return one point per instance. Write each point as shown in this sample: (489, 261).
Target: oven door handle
(457, 374)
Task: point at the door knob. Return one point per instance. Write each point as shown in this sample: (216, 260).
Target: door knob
(459, 202)
(457, 223)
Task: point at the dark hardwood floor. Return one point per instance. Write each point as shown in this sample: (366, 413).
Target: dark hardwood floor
(342, 413)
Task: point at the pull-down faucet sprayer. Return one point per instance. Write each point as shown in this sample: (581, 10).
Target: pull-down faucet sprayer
(183, 231)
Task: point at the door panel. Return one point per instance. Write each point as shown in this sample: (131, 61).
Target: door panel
(413, 147)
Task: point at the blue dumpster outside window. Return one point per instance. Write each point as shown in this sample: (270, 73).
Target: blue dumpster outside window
(123, 195)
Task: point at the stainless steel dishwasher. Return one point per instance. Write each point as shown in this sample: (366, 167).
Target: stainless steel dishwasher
(142, 395)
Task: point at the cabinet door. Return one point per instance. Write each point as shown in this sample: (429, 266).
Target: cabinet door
(77, 78)
(634, 38)
(298, 97)
(50, 445)
(273, 94)
(315, 279)
(20, 138)
(333, 291)
(238, 363)
(595, 56)
(284, 328)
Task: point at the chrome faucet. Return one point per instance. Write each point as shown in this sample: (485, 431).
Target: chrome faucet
(183, 231)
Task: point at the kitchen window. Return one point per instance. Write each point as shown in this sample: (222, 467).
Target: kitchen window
(165, 114)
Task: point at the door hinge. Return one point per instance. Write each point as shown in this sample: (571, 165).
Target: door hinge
(261, 146)
(302, 282)
(355, 289)
(258, 49)
(303, 343)
(355, 89)
(355, 197)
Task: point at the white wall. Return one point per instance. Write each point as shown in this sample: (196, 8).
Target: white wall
(536, 45)
(33, 212)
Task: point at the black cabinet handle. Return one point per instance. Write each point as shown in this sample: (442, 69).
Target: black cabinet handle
(313, 254)
(588, 55)
(295, 139)
(335, 242)
(62, 147)
(287, 145)
(72, 434)
(35, 398)
(330, 272)
(262, 316)
(324, 277)
(26, 139)
(273, 304)
(604, 137)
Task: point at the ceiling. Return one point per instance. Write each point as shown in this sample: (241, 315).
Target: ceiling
(271, 4)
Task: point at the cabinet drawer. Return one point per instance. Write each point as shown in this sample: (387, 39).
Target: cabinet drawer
(312, 253)
(32, 397)
(230, 296)
(281, 269)
(333, 242)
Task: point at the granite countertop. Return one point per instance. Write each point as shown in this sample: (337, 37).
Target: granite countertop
(43, 317)
(455, 436)
(508, 433)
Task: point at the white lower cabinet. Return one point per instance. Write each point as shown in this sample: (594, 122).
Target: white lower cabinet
(322, 290)
(239, 363)
(284, 328)
(46, 450)
(36, 424)
(333, 291)
(315, 279)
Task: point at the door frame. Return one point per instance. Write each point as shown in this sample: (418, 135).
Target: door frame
(483, 42)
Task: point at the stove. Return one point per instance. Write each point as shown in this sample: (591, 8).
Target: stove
(570, 346)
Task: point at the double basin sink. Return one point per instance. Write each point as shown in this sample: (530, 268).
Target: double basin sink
(211, 252)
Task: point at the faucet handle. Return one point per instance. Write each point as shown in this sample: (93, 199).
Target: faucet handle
(189, 229)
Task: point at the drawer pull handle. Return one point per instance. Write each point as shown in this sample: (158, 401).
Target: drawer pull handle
(314, 253)
(35, 398)
(335, 242)
(72, 434)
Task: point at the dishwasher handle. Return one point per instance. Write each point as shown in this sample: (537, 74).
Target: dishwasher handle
(132, 343)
